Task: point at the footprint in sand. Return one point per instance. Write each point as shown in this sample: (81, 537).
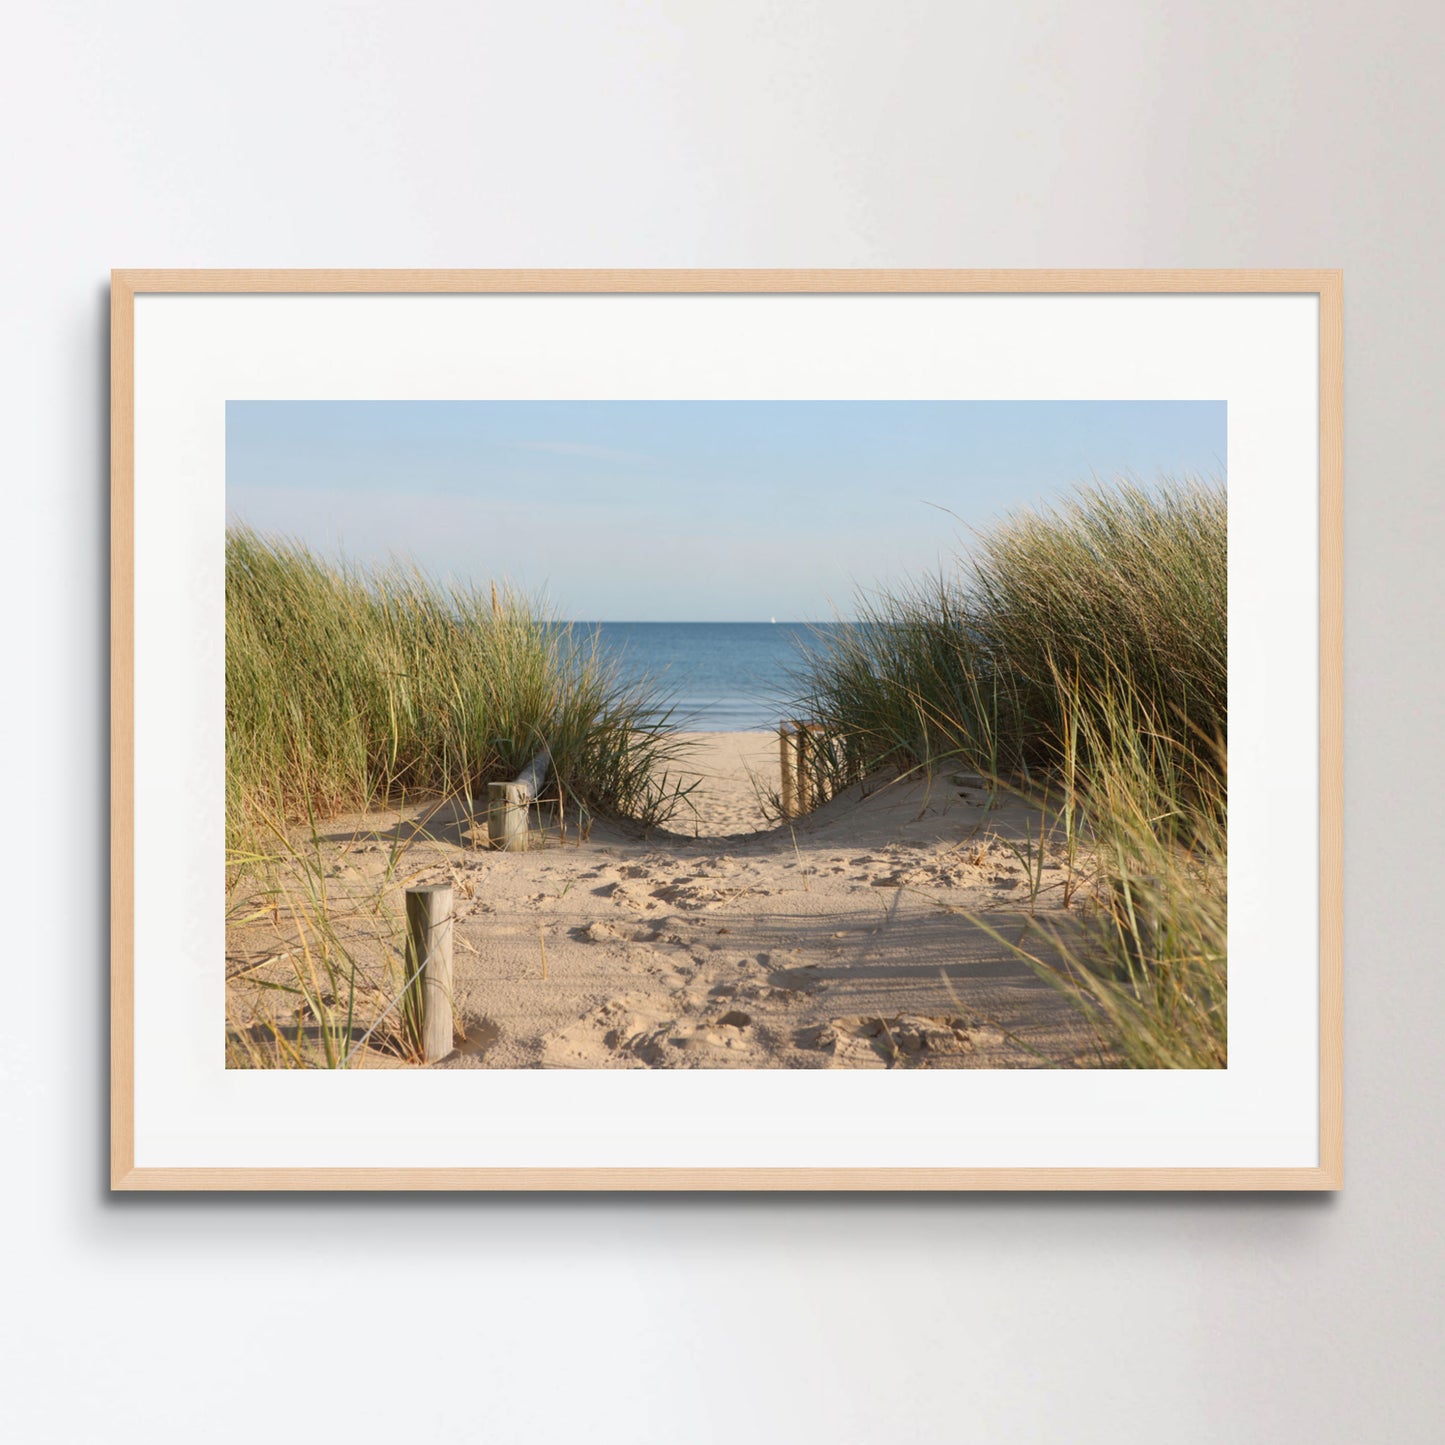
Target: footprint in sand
(690, 893)
(903, 1041)
(624, 1033)
(626, 895)
(601, 931)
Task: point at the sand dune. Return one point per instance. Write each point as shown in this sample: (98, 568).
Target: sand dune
(838, 940)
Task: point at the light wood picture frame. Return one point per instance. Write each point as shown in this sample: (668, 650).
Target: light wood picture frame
(139, 1161)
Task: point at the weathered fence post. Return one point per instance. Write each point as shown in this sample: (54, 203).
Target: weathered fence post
(789, 793)
(429, 966)
(798, 795)
(507, 807)
(510, 804)
(804, 767)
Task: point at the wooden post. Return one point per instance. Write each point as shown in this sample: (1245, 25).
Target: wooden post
(507, 807)
(795, 755)
(509, 804)
(805, 772)
(429, 958)
(789, 793)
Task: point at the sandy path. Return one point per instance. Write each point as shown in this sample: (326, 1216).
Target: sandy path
(836, 941)
(734, 773)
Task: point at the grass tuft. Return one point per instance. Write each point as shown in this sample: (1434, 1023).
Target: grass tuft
(1119, 591)
(350, 688)
(1080, 656)
(347, 687)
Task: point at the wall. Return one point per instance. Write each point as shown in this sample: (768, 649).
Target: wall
(1114, 134)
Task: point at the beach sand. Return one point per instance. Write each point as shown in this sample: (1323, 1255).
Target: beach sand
(726, 941)
(734, 773)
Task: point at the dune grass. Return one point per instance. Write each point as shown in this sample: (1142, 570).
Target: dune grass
(1120, 591)
(347, 687)
(331, 993)
(1079, 656)
(1149, 960)
(350, 689)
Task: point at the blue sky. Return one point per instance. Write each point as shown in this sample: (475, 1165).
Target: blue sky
(685, 510)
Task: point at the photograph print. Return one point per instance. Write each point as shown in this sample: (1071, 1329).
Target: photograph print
(726, 735)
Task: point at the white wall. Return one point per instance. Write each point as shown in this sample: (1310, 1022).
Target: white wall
(1197, 133)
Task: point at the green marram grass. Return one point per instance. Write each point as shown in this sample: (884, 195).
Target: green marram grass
(1080, 656)
(1121, 590)
(347, 687)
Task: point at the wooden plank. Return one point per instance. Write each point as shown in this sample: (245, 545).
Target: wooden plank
(289, 281)
(1332, 729)
(1225, 1177)
(122, 731)
(531, 778)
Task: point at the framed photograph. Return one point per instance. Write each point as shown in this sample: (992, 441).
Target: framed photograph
(805, 730)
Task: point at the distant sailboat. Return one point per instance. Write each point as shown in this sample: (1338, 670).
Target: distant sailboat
(772, 619)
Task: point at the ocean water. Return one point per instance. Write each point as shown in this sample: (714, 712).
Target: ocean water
(722, 676)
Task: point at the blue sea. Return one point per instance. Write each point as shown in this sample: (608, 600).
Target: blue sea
(722, 676)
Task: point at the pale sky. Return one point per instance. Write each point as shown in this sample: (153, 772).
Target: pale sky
(692, 511)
